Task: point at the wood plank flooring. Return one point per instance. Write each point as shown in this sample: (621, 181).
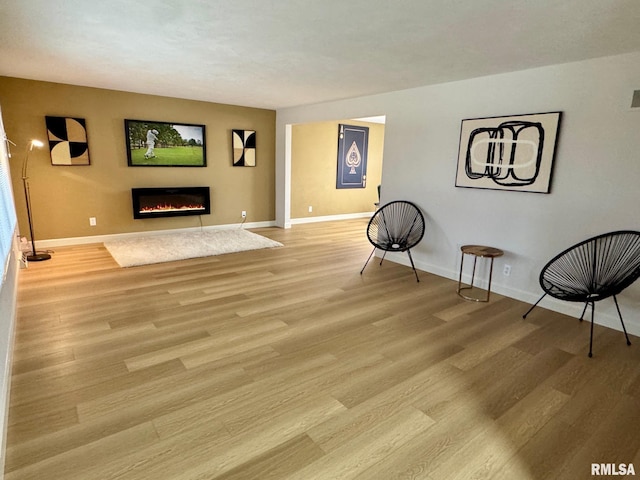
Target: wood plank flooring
(288, 364)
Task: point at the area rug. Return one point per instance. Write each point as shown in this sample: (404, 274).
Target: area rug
(149, 249)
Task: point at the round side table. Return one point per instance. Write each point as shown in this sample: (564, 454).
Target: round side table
(478, 251)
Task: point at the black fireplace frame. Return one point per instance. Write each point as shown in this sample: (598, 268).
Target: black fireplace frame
(138, 194)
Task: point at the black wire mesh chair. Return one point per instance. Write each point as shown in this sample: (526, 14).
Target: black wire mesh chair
(595, 269)
(397, 226)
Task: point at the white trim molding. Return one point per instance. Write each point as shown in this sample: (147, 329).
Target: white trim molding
(62, 242)
(330, 218)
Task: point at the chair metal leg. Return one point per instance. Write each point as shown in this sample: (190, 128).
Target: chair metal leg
(584, 310)
(384, 254)
(593, 307)
(534, 306)
(621, 321)
(412, 265)
(365, 264)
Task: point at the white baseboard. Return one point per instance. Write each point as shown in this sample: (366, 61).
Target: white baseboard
(330, 218)
(63, 242)
(572, 309)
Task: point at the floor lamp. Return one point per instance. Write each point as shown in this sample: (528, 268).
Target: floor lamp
(35, 256)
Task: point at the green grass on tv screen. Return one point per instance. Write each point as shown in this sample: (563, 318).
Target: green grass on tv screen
(169, 156)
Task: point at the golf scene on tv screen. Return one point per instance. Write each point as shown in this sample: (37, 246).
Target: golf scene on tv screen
(165, 144)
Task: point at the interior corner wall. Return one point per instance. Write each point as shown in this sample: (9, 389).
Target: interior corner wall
(64, 197)
(314, 150)
(595, 180)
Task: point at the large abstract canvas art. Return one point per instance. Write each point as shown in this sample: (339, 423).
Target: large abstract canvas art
(353, 142)
(67, 141)
(508, 153)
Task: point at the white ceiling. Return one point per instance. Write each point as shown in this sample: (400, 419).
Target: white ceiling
(281, 53)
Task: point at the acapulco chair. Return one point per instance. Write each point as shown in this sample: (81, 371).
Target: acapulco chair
(592, 270)
(397, 226)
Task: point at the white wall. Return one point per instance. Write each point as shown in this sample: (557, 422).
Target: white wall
(595, 185)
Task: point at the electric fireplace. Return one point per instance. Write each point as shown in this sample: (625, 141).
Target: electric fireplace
(170, 202)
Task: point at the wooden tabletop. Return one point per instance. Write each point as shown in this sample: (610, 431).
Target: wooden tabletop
(482, 251)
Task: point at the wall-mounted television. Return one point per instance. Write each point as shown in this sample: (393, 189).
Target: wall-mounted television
(165, 144)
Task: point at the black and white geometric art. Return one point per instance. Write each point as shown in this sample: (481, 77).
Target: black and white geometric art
(67, 141)
(244, 148)
(508, 153)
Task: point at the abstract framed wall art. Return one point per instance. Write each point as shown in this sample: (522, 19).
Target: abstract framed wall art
(353, 143)
(165, 144)
(508, 153)
(68, 142)
(244, 148)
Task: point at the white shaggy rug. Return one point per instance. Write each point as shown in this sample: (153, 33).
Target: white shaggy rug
(149, 249)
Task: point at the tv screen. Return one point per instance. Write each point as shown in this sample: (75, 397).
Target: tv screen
(165, 144)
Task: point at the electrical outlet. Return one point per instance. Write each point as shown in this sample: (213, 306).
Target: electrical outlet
(244, 214)
(92, 221)
(507, 270)
(310, 209)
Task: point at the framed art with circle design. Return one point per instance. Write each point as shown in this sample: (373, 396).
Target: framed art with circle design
(68, 142)
(513, 153)
(244, 148)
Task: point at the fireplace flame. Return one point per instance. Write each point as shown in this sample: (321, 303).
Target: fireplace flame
(168, 207)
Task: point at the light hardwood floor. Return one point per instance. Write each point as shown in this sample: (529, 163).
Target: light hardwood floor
(288, 364)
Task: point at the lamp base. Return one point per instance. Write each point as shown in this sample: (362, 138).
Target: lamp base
(38, 257)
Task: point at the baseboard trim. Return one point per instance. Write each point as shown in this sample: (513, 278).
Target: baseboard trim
(330, 218)
(63, 242)
(571, 309)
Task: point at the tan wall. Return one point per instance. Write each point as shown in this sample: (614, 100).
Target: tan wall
(64, 197)
(314, 148)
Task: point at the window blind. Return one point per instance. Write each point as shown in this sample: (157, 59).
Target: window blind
(7, 207)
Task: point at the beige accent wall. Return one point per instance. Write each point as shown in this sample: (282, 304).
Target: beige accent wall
(64, 197)
(314, 149)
